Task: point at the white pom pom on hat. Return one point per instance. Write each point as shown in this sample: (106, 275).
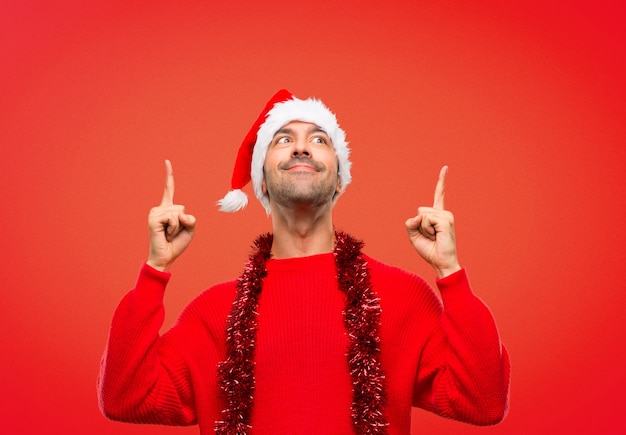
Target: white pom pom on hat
(280, 110)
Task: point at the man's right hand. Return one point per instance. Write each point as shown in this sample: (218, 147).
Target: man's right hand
(171, 229)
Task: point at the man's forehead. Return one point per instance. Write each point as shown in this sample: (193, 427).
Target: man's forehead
(293, 126)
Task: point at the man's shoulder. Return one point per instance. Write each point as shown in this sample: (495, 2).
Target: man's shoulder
(217, 297)
(387, 272)
(401, 291)
(223, 290)
(377, 266)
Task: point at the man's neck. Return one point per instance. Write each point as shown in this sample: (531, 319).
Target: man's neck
(301, 233)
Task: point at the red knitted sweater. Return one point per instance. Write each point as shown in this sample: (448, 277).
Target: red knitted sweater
(443, 357)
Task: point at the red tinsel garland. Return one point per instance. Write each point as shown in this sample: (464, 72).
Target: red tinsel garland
(362, 321)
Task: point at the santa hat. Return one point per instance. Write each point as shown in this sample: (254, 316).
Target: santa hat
(280, 110)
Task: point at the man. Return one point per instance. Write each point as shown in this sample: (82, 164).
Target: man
(315, 337)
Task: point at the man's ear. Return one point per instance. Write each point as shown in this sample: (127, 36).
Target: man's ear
(338, 188)
(264, 187)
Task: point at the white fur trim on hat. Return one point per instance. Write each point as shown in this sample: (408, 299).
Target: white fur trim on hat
(309, 110)
(233, 201)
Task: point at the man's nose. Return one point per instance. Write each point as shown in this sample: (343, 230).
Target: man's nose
(301, 148)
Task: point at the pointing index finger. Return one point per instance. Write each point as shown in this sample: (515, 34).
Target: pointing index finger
(440, 189)
(168, 192)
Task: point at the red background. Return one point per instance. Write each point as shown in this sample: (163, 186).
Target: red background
(524, 102)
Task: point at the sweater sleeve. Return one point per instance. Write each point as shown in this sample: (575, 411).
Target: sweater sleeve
(143, 377)
(464, 368)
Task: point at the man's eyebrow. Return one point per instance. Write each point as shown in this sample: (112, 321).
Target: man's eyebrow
(314, 128)
(283, 131)
(317, 129)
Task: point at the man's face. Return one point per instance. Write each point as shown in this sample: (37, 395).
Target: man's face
(301, 166)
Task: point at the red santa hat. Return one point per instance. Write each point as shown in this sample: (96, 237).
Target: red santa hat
(280, 110)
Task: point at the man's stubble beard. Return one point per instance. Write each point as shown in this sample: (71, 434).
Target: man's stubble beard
(293, 192)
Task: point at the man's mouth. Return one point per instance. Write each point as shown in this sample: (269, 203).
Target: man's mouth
(300, 165)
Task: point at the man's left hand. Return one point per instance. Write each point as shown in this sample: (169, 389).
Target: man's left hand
(431, 232)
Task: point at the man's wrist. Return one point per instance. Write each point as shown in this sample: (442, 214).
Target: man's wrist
(155, 266)
(447, 271)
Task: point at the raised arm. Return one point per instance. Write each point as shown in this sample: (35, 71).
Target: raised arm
(144, 377)
(464, 369)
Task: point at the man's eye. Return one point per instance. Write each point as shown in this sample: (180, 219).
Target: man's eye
(283, 140)
(319, 139)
